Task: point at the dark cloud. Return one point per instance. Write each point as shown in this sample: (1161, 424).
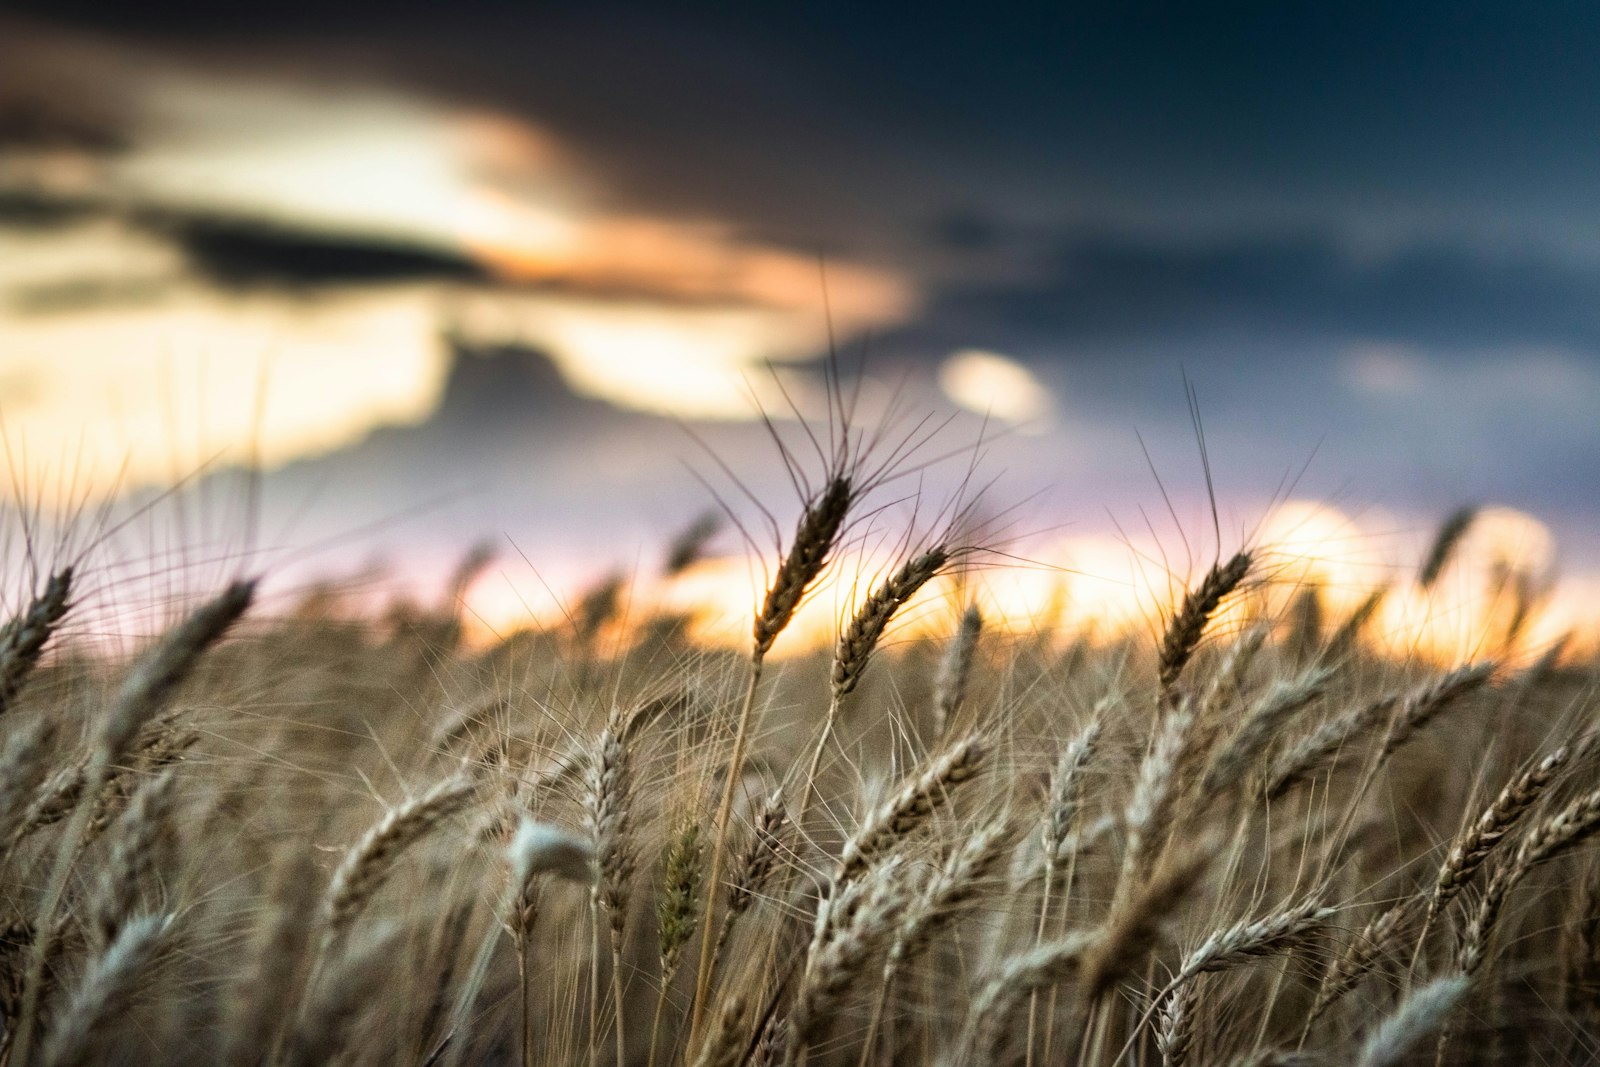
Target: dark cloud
(227, 251)
(41, 125)
(23, 208)
(1110, 291)
(826, 116)
(241, 252)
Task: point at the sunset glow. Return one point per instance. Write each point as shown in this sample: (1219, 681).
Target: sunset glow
(1103, 589)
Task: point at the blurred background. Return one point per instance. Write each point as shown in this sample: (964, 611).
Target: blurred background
(530, 273)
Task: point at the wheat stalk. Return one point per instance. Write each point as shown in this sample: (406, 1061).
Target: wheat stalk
(1184, 630)
(821, 525)
(955, 669)
(78, 1036)
(368, 864)
(22, 640)
(909, 807)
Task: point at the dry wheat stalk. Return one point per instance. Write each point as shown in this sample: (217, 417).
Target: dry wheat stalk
(854, 649)
(1422, 1012)
(1137, 918)
(139, 847)
(850, 929)
(344, 994)
(606, 811)
(1148, 816)
(156, 675)
(910, 806)
(1175, 1035)
(728, 1044)
(1213, 703)
(22, 640)
(1010, 985)
(1421, 705)
(760, 855)
(1580, 952)
(1564, 830)
(1382, 933)
(1189, 623)
(1474, 844)
(370, 862)
(143, 695)
(1323, 746)
(957, 882)
(1057, 838)
(1066, 790)
(820, 527)
(1262, 723)
(80, 1033)
(814, 541)
(955, 669)
(274, 969)
(1289, 927)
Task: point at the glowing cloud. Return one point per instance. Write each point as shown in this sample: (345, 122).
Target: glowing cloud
(153, 392)
(663, 314)
(994, 385)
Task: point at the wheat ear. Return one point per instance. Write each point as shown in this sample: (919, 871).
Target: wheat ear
(370, 862)
(78, 1036)
(955, 670)
(1285, 930)
(910, 806)
(1061, 812)
(1420, 1014)
(1189, 623)
(855, 646)
(1378, 937)
(23, 765)
(1445, 542)
(606, 808)
(1474, 844)
(1003, 993)
(755, 865)
(815, 539)
(955, 884)
(145, 691)
(850, 928)
(675, 913)
(22, 640)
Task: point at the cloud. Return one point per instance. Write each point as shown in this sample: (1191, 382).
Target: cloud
(1112, 290)
(235, 252)
(991, 384)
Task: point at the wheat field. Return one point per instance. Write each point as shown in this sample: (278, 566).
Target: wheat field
(312, 836)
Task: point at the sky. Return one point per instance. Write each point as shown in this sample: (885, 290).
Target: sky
(527, 272)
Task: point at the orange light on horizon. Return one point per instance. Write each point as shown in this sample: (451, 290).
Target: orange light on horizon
(1102, 589)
